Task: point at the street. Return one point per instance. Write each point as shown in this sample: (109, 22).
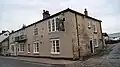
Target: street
(109, 60)
(112, 59)
(6, 62)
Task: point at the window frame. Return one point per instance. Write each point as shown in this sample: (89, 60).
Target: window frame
(89, 24)
(96, 43)
(28, 48)
(51, 25)
(35, 31)
(52, 48)
(95, 27)
(35, 47)
(23, 49)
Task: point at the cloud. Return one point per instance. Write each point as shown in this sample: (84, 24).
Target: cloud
(14, 13)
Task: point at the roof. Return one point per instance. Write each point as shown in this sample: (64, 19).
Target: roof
(68, 9)
(4, 32)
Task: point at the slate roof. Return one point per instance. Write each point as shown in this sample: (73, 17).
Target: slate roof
(68, 9)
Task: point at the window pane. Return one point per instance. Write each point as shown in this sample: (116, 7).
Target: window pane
(57, 42)
(36, 31)
(28, 47)
(37, 47)
(58, 50)
(49, 26)
(53, 49)
(53, 25)
(57, 23)
(53, 43)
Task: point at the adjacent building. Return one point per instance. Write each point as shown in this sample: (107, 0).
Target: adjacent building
(4, 46)
(3, 35)
(66, 34)
(4, 42)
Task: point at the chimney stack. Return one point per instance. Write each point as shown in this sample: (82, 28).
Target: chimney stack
(3, 31)
(45, 14)
(86, 12)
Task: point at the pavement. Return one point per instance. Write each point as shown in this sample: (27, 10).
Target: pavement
(7, 62)
(112, 59)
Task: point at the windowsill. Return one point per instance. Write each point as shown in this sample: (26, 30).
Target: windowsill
(21, 51)
(53, 31)
(95, 32)
(36, 52)
(55, 52)
(89, 27)
(96, 46)
(28, 52)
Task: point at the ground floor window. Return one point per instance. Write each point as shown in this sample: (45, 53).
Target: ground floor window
(21, 47)
(95, 42)
(36, 47)
(28, 48)
(55, 46)
(12, 48)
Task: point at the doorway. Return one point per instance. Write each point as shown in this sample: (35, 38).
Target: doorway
(91, 46)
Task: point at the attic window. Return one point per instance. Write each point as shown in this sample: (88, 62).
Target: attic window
(5, 35)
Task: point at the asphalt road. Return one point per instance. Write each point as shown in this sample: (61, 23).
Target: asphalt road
(5, 62)
(114, 56)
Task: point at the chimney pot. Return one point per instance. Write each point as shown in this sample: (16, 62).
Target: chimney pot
(45, 14)
(43, 11)
(86, 12)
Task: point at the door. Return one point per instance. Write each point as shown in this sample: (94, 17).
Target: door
(91, 46)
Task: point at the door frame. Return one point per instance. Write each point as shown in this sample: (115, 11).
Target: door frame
(91, 46)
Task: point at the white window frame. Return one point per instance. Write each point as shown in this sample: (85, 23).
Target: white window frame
(51, 24)
(37, 30)
(28, 47)
(95, 27)
(89, 24)
(52, 50)
(96, 45)
(35, 48)
(23, 49)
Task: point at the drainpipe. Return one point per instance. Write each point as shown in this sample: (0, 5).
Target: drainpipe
(77, 34)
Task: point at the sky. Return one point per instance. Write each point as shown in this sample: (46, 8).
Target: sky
(15, 13)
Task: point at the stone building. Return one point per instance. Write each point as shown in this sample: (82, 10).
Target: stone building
(66, 34)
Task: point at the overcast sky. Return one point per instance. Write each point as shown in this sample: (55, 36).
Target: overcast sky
(15, 13)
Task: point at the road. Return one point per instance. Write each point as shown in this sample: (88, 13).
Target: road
(114, 56)
(6, 62)
(110, 60)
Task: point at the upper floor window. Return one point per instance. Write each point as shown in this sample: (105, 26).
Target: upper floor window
(53, 25)
(89, 24)
(95, 28)
(56, 24)
(49, 26)
(35, 31)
